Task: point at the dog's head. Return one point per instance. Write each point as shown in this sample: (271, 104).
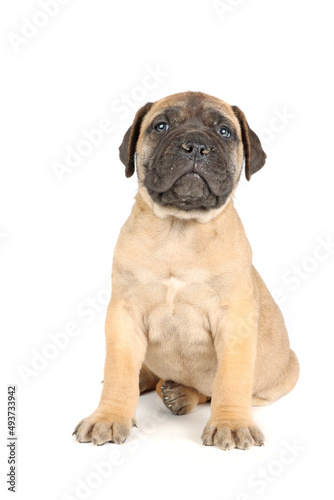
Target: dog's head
(189, 150)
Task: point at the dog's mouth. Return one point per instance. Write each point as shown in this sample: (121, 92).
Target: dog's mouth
(190, 191)
(187, 180)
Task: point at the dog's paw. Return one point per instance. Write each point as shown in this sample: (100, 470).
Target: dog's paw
(100, 428)
(178, 398)
(228, 435)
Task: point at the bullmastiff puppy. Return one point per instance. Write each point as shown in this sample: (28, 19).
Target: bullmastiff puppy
(189, 314)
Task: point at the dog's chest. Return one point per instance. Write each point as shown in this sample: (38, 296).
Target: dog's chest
(172, 286)
(174, 289)
(180, 342)
(177, 310)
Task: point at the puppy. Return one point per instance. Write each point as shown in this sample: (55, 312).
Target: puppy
(189, 314)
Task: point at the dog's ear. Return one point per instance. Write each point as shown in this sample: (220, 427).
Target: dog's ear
(255, 157)
(128, 147)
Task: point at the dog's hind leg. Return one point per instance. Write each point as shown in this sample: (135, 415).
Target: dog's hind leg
(178, 398)
(285, 384)
(147, 380)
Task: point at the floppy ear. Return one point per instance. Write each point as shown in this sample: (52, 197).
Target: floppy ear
(255, 157)
(128, 147)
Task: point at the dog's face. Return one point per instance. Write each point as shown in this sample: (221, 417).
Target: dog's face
(189, 153)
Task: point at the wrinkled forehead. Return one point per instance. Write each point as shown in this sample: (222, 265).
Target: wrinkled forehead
(192, 107)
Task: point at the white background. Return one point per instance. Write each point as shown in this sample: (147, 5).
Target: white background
(57, 237)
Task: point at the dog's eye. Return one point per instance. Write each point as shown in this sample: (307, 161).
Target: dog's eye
(162, 127)
(224, 132)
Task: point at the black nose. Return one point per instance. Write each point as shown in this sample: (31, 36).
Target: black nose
(195, 150)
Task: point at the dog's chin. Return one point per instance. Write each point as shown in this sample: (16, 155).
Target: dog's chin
(189, 192)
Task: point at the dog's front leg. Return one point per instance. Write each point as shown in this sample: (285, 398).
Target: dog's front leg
(235, 338)
(125, 352)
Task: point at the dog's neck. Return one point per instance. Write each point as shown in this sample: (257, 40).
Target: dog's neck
(223, 217)
(145, 202)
